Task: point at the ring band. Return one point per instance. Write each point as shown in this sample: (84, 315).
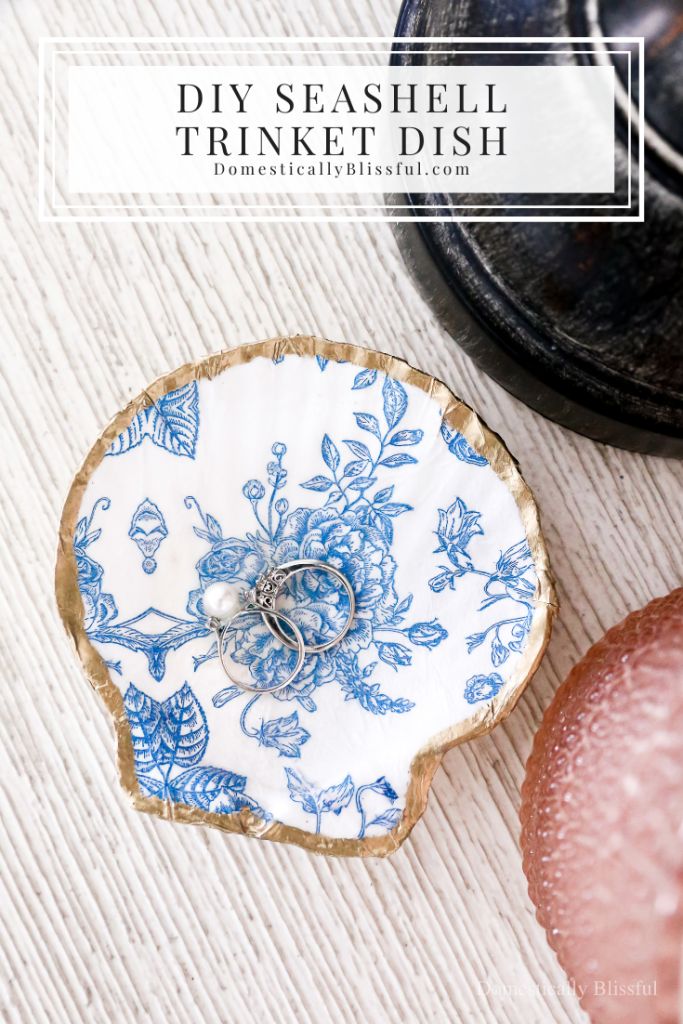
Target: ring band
(299, 646)
(260, 600)
(271, 617)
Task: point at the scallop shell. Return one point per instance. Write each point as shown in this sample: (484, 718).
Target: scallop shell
(300, 447)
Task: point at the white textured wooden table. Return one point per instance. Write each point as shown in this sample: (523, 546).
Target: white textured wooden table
(107, 915)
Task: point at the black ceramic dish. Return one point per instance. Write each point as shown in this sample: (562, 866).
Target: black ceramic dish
(582, 321)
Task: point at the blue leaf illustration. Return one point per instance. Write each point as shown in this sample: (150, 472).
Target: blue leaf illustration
(226, 695)
(150, 785)
(355, 468)
(372, 699)
(172, 423)
(322, 362)
(230, 802)
(318, 483)
(382, 523)
(404, 438)
(183, 728)
(81, 531)
(144, 715)
(361, 483)
(364, 379)
(319, 801)
(302, 791)
(213, 528)
(200, 785)
(284, 734)
(360, 450)
(388, 819)
(394, 509)
(330, 453)
(395, 401)
(404, 606)
(176, 423)
(402, 459)
(366, 421)
(383, 495)
(336, 798)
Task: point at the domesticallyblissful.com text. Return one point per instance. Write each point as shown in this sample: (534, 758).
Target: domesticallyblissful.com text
(328, 169)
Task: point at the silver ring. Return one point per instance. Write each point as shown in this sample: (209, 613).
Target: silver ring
(277, 579)
(298, 646)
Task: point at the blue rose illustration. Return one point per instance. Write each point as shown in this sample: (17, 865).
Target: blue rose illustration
(98, 608)
(89, 574)
(231, 560)
(482, 687)
(253, 646)
(347, 541)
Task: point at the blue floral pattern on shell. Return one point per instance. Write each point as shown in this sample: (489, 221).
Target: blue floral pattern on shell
(101, 621)
(352, 529)
(334, 799)
(348, 510)
(512, 581)
(171, 423)
(169, 742)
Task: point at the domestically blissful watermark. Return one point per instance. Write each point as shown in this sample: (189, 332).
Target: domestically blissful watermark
(335, 129)
(641, 989)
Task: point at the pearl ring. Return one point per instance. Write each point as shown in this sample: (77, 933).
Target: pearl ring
(223, 607)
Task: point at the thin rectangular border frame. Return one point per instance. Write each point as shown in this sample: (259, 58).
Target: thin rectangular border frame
(46, 41)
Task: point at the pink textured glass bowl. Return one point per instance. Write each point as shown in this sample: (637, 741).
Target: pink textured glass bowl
(602, 820)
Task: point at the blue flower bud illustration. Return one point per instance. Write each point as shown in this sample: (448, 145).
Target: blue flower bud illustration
(427, 634)
(253, 490)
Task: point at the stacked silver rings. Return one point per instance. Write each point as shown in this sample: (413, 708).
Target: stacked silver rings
(224, 609)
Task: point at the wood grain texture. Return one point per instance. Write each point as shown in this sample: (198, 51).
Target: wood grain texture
(106, 915)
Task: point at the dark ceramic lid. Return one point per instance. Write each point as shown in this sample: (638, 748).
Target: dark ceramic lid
(582, 321)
